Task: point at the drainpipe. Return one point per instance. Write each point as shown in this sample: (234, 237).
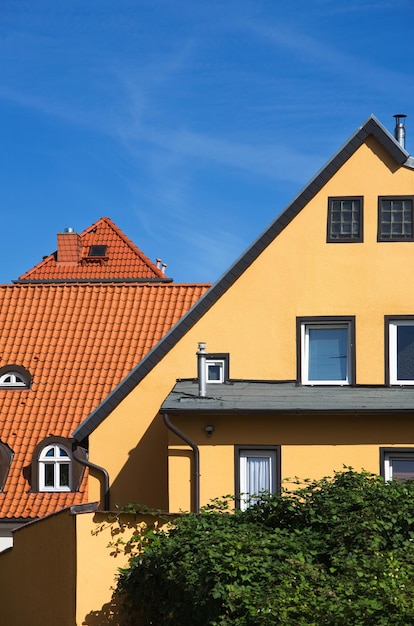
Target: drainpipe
(97, 468)
(196, 452)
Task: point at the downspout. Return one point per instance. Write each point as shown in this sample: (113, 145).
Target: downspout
(196, 452)
(101, 470)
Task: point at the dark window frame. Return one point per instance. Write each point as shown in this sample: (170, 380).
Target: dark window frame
(277, 476)
(391, 450)
(343, 238)
(380, 235)
(326, 320)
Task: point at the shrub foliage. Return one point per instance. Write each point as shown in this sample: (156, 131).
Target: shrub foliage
(336, 552)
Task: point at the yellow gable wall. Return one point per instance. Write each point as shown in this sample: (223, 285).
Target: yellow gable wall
(298, 274)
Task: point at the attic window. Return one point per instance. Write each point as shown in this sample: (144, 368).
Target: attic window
(345, 219)
(395, 218)
(97, 251)
(14, 377)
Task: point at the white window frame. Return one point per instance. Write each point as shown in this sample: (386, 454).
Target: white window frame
(16, 380)
(56, 461)
(216, 362)
(393, 355)
(304, 338)
(394, 455)
(246, 497)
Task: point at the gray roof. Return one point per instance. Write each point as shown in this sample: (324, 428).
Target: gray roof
(371, 127)
(249, 396)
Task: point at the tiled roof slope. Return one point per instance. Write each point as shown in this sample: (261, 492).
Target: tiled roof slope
(122, 260)
(78, 341)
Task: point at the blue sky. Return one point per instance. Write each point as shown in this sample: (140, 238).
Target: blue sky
(190, 124)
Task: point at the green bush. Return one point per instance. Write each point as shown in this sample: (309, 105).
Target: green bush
(337, 552)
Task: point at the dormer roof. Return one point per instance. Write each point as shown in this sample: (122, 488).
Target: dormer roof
(100, 253)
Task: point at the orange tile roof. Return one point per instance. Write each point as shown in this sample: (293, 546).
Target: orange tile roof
(78, 340)
(72, 261)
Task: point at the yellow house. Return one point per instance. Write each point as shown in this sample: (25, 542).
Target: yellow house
(307, 351)
(299, 360)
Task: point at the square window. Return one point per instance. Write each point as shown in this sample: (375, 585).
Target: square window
(397, 463)
(257, 471)
(325, 354)
(345, 219)
(215, 371)
(217, 368)
(401, 351)
(395, 218)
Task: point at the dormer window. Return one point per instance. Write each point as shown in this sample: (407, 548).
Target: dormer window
(6, 457)
(53, 467)
(14, 377)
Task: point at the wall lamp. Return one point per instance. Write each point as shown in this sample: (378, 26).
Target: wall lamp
(209, 429)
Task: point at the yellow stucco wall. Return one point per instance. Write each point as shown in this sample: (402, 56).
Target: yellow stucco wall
(62, 570)
(98, 561)
(37, 575)
(299, 274)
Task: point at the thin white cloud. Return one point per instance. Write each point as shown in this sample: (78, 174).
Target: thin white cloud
(312, 51)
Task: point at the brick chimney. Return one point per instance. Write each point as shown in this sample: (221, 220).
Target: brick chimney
(69, 246)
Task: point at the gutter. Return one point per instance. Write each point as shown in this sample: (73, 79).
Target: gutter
(101, 470)
(194, 447)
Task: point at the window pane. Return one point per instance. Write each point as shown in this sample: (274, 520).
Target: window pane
(63, 452)
(49, 475)
(345, 219)
(214, 372)
(328, 353)
(396, 219)
(258, 475)
(64, 475)
(50, 452)
(405, 352)
(403, 468)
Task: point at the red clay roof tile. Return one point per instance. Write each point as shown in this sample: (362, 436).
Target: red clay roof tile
(75, 361)
(78, 340)
(73, 260)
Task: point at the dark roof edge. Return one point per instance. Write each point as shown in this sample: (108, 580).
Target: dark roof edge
(371, 127)
(49, 281)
